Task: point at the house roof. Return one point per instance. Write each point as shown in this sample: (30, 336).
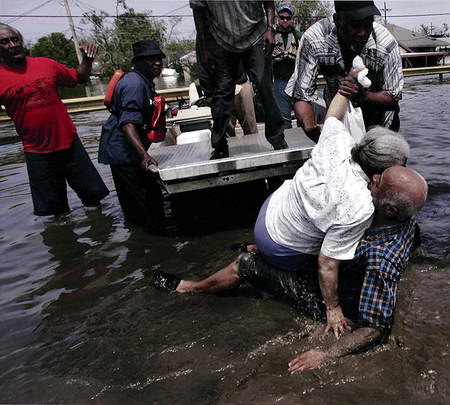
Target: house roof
(409, 39)
(446, 40)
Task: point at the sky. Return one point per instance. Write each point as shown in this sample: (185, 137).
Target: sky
(34, 27)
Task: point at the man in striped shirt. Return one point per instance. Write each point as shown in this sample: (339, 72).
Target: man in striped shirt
(229, 32)
(329, 46)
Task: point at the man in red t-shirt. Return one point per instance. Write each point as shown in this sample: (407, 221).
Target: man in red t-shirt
(53, 151)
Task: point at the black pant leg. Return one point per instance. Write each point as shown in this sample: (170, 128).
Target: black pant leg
(259, 68)
(82, 175)
(139, 196)
(225, 78)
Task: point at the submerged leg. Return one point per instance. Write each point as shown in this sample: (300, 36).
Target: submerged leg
(224, 279)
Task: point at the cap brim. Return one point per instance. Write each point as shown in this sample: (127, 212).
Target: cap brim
(150, 53)
(361, 13)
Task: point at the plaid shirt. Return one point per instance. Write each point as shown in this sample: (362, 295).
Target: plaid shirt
(381, 258)
(320, 53)
(384, 253)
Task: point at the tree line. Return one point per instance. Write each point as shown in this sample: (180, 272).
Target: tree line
(115, 36)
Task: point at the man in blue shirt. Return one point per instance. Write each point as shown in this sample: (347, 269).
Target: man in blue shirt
(124, 144)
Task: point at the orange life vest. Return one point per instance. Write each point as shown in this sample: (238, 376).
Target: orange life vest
(156, 127)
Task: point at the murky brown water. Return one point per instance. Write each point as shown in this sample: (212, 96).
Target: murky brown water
(81, 323)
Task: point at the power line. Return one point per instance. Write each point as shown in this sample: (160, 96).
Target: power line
(385, 10)
(83, 16)
(26, 13)
(177, 9)
(180, 15)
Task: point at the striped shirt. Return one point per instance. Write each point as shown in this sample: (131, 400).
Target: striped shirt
(236, 25)
(320, 53)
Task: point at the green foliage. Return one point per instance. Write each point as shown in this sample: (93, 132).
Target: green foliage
(308, 12)
(115, 39)
(57, 47)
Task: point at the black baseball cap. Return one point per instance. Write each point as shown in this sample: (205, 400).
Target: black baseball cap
(146, 47)
(356, 10)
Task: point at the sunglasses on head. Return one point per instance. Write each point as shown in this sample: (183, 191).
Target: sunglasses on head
(285, 17)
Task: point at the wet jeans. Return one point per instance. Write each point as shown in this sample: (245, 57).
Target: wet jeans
(284, 101)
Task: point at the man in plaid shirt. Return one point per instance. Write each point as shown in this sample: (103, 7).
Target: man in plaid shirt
(380, 259)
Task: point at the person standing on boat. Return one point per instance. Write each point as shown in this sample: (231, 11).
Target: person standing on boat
(53, 152)
(243, 106)
(329, 47)
(283, 59)
(230, 32)
(123, 141)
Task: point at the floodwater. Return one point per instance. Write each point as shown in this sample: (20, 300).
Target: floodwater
(82, 324)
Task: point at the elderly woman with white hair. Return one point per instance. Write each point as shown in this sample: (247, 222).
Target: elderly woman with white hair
(321, 214)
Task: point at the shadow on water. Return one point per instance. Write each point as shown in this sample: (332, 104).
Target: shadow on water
(82, 323)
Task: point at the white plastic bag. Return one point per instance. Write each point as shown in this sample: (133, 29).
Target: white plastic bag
(193, 94)
(354, 122)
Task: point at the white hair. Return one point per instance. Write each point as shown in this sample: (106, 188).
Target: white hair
(8, 27)
(379, 149)
(405, 205)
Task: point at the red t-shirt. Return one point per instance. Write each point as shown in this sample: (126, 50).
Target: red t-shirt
(31, 99)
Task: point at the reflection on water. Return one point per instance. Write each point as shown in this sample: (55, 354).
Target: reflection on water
(82, 324)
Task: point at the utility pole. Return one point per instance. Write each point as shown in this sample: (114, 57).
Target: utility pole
(385, 9)
(120, 3)
(74, 34)
(75, 41)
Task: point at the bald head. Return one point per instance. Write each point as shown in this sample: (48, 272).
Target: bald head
(401, 192)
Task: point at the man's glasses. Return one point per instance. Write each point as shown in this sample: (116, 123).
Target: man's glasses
(5, 41)
(285, 18)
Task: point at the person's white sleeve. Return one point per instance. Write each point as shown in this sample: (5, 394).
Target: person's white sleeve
(331, 127)
(341, 241)
(307, 65)
(393, 74)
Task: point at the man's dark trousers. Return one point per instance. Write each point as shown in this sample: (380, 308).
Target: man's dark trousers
(259, 68)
